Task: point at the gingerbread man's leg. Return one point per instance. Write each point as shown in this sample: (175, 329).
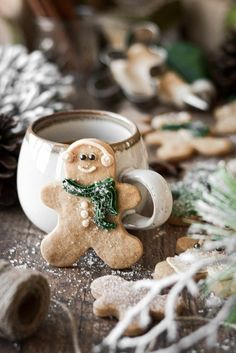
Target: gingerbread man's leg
(60, 250)
(122, 249)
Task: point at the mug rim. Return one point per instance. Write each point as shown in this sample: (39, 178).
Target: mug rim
(75, 114)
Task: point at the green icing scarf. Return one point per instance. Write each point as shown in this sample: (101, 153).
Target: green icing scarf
(197, 128)
(103, 196)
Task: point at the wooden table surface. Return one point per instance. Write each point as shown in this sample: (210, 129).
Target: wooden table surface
(71, 299)
(20, 244)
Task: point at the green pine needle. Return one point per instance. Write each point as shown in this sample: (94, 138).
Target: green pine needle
(217, 210)
(187, 192)
(218, 207)
(232, 317)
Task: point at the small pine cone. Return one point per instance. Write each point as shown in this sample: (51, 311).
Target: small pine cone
(223, 65)
(9, 147)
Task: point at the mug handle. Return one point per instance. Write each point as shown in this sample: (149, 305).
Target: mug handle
(160, 194)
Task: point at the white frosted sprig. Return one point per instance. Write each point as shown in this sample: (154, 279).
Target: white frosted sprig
(30, 86)
(178, 281)
(115, 334)
(217, 209)
(213, 215)
(208, 331)
(208, 231)
(227, 243)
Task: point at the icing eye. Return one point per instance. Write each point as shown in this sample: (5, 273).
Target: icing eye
(220, 249)
(82, 156)
(91, 156)
(197, 246)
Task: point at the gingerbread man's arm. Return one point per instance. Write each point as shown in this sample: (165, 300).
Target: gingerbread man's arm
(50, 195)
(106, 291)
(101, 286)
(128, 196)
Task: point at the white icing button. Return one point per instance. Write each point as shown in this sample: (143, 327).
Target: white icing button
(85, 223)
(84, 214)
(84, 204)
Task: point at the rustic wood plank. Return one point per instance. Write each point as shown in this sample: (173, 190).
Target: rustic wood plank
(19, 244)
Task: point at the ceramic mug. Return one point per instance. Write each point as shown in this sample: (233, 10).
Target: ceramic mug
(41, 162)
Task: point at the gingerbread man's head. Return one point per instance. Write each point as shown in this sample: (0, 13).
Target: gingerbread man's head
(89, 160)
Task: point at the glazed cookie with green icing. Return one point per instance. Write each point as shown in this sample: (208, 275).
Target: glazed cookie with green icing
(178, 141)
(90, 203)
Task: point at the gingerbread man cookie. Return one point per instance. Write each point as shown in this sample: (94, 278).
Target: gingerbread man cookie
(179, 141)
(225, 118)
(175, 91)
(114, 296)
(141, 119)
(132, 73)
(188, 251)
(183, 244)
(222, 286)
(90, 203)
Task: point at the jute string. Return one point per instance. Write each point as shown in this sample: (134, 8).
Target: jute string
(24, 301)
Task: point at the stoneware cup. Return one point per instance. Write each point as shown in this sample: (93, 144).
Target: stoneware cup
(41, 162)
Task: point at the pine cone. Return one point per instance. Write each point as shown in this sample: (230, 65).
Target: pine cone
(30, 86)
(9, 147)
(223, 65)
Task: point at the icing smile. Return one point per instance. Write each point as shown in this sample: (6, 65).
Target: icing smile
(87, 170)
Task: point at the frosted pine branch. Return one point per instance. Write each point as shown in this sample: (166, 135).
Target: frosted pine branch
(217, 208)
(208, 331)
(178, 281)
